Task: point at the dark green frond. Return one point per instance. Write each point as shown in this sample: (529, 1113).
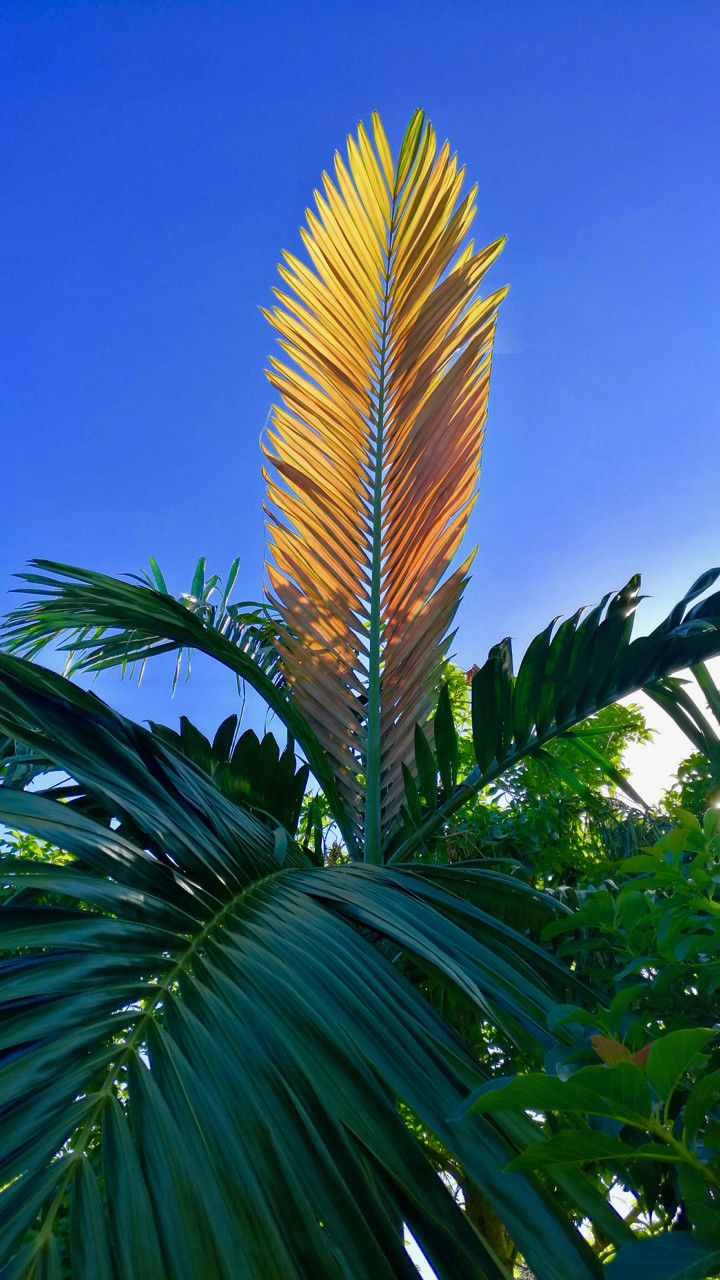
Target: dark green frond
(104, 623)
(251, 772)
(108, 622)
(203, 1043)
(567, 674)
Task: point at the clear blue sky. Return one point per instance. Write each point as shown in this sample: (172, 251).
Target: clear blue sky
(158, 156)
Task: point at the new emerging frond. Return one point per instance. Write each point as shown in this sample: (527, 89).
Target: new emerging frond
(374, 452)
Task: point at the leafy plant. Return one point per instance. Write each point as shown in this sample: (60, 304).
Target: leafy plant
(653, 944)
(657, 1106)
(637, 1090)
(648, 1119)
(563, 814)
(212, 1043)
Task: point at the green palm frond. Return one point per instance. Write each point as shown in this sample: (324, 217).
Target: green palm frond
(204, 1040)
(105, 622)
(672, 694)
(568, 673)
(250, 771)
(108, 621)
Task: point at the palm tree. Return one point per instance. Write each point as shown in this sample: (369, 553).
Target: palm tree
(218, 1058)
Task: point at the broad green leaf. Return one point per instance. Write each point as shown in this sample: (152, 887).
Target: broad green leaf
(133, 1221)
(559, 659)
(157, 575)
(91, 1251)
(611, 637)
(606, 767)
(700, 1198)
(619, 1092)
(230, 582)
(274, 988)
(575, 676)
(554, 664)
(672, 1055)
(223, 740)
(592, 666)
(198, 581)
(704, 1094)
(585, 1146)
(111, 622)
(412, 796)
(560, 769)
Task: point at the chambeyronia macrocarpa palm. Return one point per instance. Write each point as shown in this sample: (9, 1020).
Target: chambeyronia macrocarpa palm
(374, 454)
(208, 1031)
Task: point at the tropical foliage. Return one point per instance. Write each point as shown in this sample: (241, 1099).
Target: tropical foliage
(648, 1119)
(221, 1056)
(560, 811)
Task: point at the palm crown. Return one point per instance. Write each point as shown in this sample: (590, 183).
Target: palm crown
(218, 1054)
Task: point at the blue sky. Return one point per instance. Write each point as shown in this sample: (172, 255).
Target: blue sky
(159, 156)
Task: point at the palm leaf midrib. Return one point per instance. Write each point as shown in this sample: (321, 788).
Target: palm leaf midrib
(373, 785)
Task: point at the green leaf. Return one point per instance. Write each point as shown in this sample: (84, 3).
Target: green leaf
(412, 796)
(49, 1262)
(410, 144)
(133, 1221)
(618, 1092)
(612, 636)
(529, 685)
(446, 742)
(206, 972)
(589, 666)
(188, 1175)
(110, 622)
(426, 768)
(555, 666)
(198, 582)
(157, 575)
(646, 862)
(674, 1255)
(559, 769)
(575, 676)
(700, 1198)
(91, 1250)
(698, 588)
(223, 740)
(704, 1094)
(606, 767)
(584, 1146)
(672, 1055)
(491, 699)
(229, 583)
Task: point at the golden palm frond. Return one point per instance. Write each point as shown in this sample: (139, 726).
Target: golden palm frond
(374, 453)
